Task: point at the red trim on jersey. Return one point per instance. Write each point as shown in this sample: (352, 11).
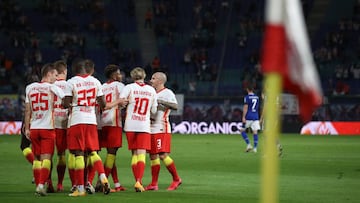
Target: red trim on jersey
(140, 83)
(83, 76)
(161, 90)
(117, 118)
(166, 120)
(110, 81)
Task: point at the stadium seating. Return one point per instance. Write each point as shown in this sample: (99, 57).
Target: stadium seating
(245, 19)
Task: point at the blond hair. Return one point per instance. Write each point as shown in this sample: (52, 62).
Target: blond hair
(138, 74)
(60, 66)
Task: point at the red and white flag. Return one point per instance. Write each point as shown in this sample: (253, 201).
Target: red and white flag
(286, 51)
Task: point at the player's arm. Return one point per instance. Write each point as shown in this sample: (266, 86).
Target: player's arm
(27, 120)
(67, 101)
(124, 96)
(101, 101)
(245, 110)
(155, 105)
(58, 91)
(162, 105)
(121, 101)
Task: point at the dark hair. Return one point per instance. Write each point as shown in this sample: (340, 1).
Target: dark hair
(110, 69)
(251, 86)
(46, 69)
(78, 66)
(89, 66)
(34, 75)
(60, 66)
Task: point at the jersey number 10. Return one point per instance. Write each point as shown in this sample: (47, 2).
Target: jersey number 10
(141, 105)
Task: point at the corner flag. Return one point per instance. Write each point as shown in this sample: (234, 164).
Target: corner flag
(287, 52)
(287, 64)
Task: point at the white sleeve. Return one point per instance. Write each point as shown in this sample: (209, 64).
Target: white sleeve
(171, 98)
(27, 94)
(125, 92)
(99, 87)
(68, 89)
(155, 104)
(58, 91)
(120, 87)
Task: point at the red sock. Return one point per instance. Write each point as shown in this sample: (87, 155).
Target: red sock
(90, 174)
(79, 170)
(72, 176)
(86, 173)
(28, 154)
(172, 169)
(107, 171)
(99, 167)
(114, 174)
(61, 172)
(30, 157)
(79, 176)
(134, 170)
(44, 176)
(155, 169)
(140, 170)
(36, 174)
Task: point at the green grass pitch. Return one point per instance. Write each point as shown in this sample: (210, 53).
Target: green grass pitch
(214, 168)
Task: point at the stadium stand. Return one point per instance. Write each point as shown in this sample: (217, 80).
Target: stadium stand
(211, 45)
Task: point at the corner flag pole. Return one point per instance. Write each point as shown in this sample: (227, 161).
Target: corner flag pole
(270, 160)
(287, 63)
(273, 63)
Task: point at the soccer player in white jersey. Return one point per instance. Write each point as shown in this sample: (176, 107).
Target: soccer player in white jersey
(111, 123)
(142, 102)
(39, 123)
(82, 93)
(61, 118)
(161, 133)
(92, 161)
(25, 144)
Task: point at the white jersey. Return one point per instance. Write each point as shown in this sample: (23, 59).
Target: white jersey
(142, 102)
(84, 90)
(160, 122)
(41, 95)
(112, 117)
(60, 113)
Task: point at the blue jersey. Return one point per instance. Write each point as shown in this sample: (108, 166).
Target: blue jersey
(252, 100)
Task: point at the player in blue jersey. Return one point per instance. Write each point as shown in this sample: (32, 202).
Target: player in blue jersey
(250, 118)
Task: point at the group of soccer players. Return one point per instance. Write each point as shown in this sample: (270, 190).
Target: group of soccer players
(83, 116)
